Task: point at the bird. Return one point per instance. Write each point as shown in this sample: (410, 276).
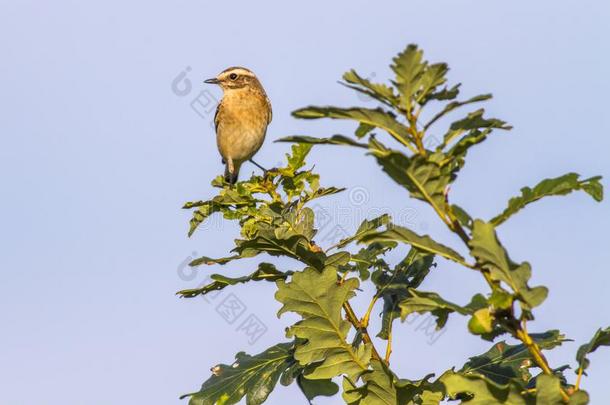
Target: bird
(241, 118)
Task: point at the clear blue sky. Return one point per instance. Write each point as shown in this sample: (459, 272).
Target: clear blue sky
(97, 155)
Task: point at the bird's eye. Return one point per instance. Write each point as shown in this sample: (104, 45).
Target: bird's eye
(233, 76)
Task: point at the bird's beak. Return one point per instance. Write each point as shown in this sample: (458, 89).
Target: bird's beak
(212, 81)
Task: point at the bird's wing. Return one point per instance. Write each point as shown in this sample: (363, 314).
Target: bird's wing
(217, 115)
(270, 117)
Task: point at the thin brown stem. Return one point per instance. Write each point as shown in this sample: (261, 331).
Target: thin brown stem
(343, 277)
(388, 349)
(578, 378)
(521, 330)
(536, 353)
(416, 135)
(353, 319)
(408, 145)
(534, 349)
(459, 230)
(367, 316)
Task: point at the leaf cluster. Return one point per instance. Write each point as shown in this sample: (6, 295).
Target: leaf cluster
(329, 342)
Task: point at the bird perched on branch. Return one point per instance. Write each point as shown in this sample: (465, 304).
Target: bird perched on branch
(241, 119)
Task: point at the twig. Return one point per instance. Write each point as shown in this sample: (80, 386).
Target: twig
(578, 378)
(343, 277)
(353, 319)
(388, 349)
(367, 316)
(521, 330)
(536, 353)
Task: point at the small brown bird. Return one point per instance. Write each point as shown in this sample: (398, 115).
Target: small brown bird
(241, 119)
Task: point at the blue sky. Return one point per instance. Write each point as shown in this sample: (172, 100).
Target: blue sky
(98, 153)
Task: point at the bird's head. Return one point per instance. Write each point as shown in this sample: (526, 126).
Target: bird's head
(235, 78)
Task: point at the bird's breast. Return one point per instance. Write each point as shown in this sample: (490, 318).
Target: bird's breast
(242, 123)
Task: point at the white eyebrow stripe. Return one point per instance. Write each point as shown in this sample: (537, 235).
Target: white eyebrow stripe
(239, 71)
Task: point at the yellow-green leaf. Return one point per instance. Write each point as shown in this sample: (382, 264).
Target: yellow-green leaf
(562, 185)
(318, 299)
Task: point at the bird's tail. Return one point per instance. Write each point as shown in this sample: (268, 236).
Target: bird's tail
(231, 172)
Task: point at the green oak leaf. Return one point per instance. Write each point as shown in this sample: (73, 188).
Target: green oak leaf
(310, 388)
(265, 271)
(490, 254)
(378, 388)
(580, 397)
(478, 390)
(561, 185)
(378, 91)
(253, 377)
(393, 285)
(455, 105)
(227, 201)
(316, 388)
(417, 81)
(321, 192)
(296, 159)
(474, 122)
(369, 258)
(446, 93)
(338, 259)
(423, 177)
(377, 118)
(210, 261)
(433, 77)
(276, 243)
(462, 216)
(420, 392)
(548, 390)
(422, 302)
(601, 338)
(455, 156)
(503, 362)
(408, 67)
(333, 140)
(363, 129)
(367, 226)
(423, 243)
(318, 299)
(203, 211)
